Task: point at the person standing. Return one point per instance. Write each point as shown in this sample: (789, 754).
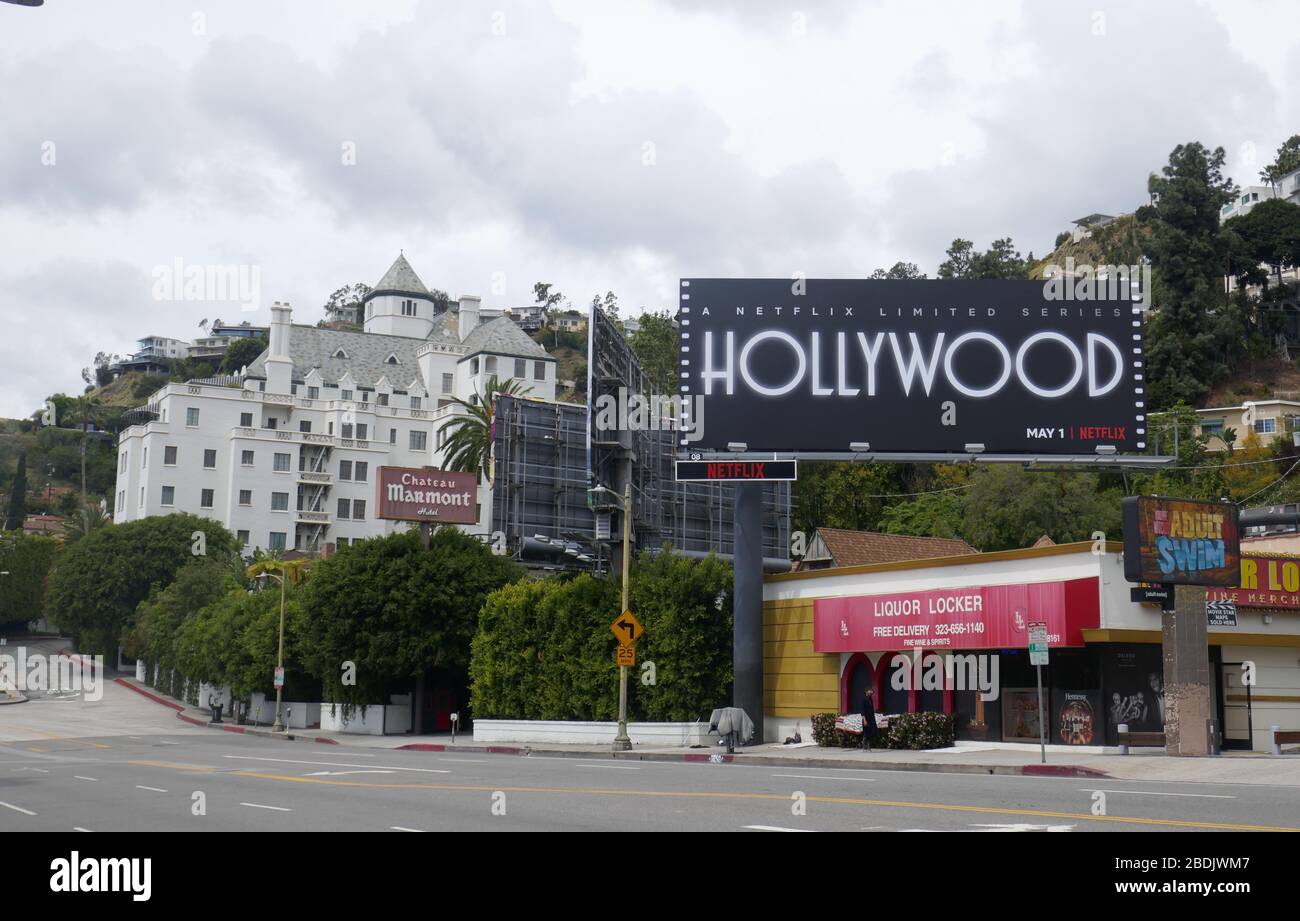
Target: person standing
(868, 720)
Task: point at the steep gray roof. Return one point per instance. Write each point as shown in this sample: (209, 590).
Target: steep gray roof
(313, 347)
(401, 277)
(502, 337)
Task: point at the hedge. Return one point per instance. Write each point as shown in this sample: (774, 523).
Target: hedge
(913, 731)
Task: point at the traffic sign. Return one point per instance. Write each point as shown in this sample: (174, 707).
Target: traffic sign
(279, 677)
(1038, 644)
(626, 656)
(627, 628)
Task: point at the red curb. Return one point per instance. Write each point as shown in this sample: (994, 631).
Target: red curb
(191, 719)
(421, 747)
(1061, 770)
(503, 750)
(239, 729)
(154, 697)
(322, 740)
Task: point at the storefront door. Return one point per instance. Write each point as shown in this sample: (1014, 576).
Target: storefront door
(1235, 705)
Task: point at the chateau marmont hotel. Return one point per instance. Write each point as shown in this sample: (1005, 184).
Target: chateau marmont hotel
(287, 458)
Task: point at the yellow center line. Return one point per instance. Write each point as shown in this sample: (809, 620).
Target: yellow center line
(841, 800)
(175, 765)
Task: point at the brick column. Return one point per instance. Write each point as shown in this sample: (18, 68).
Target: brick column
(1186, 673)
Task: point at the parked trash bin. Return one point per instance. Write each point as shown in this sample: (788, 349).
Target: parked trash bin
(215, 705)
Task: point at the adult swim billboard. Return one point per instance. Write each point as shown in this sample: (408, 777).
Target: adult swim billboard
(910, 366)
(1181, 541)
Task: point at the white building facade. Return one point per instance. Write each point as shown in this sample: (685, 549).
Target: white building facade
(289, 460)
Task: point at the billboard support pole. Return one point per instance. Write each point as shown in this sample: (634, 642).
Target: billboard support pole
(747, 603)
(1186, 653)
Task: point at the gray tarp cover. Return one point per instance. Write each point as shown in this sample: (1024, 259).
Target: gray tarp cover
(732, 719)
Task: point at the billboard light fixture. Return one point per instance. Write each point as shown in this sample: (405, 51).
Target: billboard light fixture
(737, 446)
(974, 448)
(1105, 449)
(861, 447)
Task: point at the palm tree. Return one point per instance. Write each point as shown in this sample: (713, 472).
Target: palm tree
(88, 407)
(469, 437)
(89, 518)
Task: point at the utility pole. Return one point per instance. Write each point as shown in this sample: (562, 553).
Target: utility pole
(279, 662)
(622, 743)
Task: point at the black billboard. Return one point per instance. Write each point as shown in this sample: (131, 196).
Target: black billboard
(909, 366)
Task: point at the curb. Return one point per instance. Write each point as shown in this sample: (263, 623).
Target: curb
(1039, 770)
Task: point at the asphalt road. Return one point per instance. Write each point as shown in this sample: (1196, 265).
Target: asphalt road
(124, 763)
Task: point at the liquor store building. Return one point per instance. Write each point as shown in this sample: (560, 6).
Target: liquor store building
(828, 634)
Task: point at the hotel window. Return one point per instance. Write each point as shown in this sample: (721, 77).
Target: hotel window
(345, 470)
(271, 423)
(313, 393)
(243, 537)
(347, 429)
(363, 467)
(362, 431)
(419, 441)
(539, 370)
(121, 467)
(209, 459)
(141, 497)
(1265, 426)
(281, 463)
(521, 368)
(205, 498)
(440, 438)
(415, 402)
(347, 394)
(382, 399)
(490, 364)
(246, 420)
(392, 436)
(169, 455)
(329, 428)
(408, 308)
(192, 417)
(144, 458)
(168, 495)
(344, 505)
(448, 382)
(279, 502)
(473, 366)
(304, 426)
(277, 540)
(246, 458)
(245, 497)
(358, 509)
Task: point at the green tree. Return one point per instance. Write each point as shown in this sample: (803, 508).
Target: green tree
(1267, 235)
(1195, 336)
(98, 581)
(1010, 507)
(26, 558)
(241, 353)
(468, 437)
(18, 497)
(939, 514)
(395, 609)
(1286, 161)
(655, 346)
(1001, 260)
(156, 627)
(344, 305)
(899, 270)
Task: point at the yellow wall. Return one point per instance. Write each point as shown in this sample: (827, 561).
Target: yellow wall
(797, 682)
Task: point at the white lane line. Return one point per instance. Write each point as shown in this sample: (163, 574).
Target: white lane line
(154, 789)
(260, 806)
(79, 777)
(387, 767)
(611, 767)
(823, 777)
(79, 828)
(16, 808)
(1156, 793)
(776, 828)
(465, 760)
(400, 828)
(161, 742)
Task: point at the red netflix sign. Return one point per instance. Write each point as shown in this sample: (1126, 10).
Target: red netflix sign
(713, 471)
(980, 617)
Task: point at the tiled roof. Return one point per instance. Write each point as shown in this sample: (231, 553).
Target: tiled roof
(401, 277)
(858, 548)
(367, 353)
(502, 337)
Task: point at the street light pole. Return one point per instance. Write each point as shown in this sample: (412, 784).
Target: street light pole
(622, 743)
(279, 662)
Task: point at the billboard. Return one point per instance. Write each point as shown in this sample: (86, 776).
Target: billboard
(909, 366)
(424, 494)
(1181, 541)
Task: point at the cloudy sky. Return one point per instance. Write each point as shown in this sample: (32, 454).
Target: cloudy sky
(596, 145)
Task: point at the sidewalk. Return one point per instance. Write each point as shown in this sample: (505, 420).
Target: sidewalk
(965, 759)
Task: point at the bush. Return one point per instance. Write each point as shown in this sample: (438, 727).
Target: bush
(914, 731)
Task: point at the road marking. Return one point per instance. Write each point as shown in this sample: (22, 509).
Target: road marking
(776, 828)
(387, 767)
(1024, 826)
(466, 760)
(79, 777)
(400, 828)
(611, 767)
(841, 800)
(79, 828)
(820, 777)
(153, 789)
(1156, 793)
(16, 808)
(341, 773)
(175, 766)
(161, 742)
(260, 806)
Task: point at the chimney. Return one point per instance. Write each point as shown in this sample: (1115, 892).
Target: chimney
(469, 306)
(279, 367)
